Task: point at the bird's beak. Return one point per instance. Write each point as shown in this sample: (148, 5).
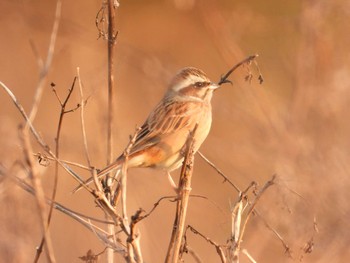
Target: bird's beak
(214, 86)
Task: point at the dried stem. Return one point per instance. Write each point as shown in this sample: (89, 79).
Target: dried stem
(280, 238)
(100, 198)
(45, 69)
(39, 194)
(218, 247)
(25, 134)
(83, 219)
(133, 240)
(40, 140)
(226, 179)
(250, 211)
(251, 259)
(45, 161)
(247, 61)
(182, 204)
(111, 44)
(82, 119)
(236, 218)
(57, 151)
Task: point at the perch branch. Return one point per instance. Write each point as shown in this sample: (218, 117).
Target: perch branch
(182, 204)
(110, 122)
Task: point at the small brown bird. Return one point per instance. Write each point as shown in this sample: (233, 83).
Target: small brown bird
(160, 142)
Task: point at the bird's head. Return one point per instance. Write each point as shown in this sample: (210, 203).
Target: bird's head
(192, 84)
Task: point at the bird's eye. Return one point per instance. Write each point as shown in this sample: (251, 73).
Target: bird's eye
(199, 84)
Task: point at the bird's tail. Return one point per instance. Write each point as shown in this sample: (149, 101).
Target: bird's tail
(116, 165)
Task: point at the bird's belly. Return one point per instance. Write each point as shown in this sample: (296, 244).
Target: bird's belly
(168, 153)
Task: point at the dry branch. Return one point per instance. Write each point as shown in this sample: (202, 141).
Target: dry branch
(182, 203)
(44, 160)
(82, 219)
(111, 44)
(39, 194)
(247, 61)
(46, 66)
(82, 119)
(226, 179)
(218, 247)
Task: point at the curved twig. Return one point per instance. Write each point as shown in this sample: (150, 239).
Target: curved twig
(224, 79)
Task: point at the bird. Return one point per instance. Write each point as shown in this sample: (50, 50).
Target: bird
(160, 142)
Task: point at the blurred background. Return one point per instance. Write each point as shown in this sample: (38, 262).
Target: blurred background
(294, 125)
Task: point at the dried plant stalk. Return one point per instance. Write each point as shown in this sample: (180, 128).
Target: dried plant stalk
(182, 203)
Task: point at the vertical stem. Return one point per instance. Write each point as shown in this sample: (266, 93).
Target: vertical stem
(182, 203)
(39, 193)
(111, 44)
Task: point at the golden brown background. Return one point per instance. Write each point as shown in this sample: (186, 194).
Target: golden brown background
(296, 125)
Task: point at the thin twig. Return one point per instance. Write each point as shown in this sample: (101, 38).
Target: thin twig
(218, 248)
(251, 209)
(39, 194)
(156, 204)
(134, 250)
(37, 98)
(280, 238)
(42, 158)
(39, 139)
(83, 219)
(226, 179)
(82, 119)
(196, 257)
(45, 69)
(251, 259)
(124, 169)
(57, 151)
(248, 60)
(28, 188)
(135, 254)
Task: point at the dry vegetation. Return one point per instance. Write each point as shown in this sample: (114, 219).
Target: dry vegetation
(275, 187)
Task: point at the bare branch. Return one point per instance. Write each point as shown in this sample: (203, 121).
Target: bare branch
(182, 203)
(39, 194)
(40, 140)
(43, 159)
(110, 122)
(54, 191)
(218, 248)
(44, 70)
(82, 119)
(280, 238)
(252, 207)
(226, 179)
(83, 219)
(248, 60)
(251, 259)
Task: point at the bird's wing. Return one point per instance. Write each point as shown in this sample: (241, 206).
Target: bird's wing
(167, 118)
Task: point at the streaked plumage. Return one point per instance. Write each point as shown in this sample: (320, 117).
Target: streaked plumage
(160, 142)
